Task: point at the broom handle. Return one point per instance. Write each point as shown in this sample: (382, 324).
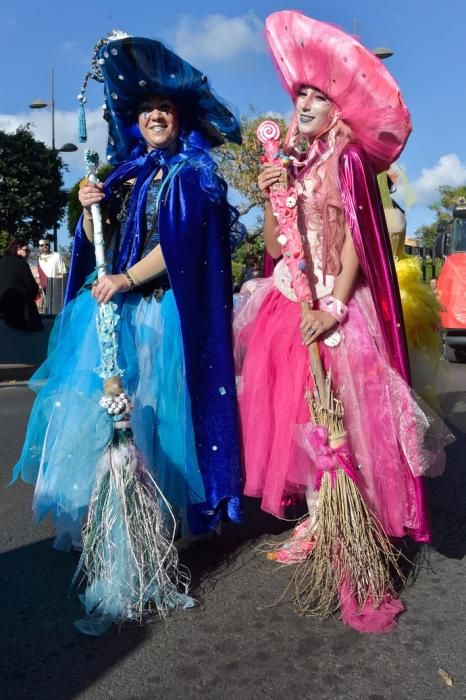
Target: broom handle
(315, 362)
(91, 160)
(268, 134)
(99, 247)
(107, 318)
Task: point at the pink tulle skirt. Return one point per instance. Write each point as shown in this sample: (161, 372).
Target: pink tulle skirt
(392, 438)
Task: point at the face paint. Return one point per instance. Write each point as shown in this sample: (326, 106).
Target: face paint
(314, 111)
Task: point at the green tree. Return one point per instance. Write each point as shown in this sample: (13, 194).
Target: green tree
(249, 255)
(4, 240)
(443, 208)
(31, 180)
(74, 205)
(427, 233)
(240, 165)
(448, 197)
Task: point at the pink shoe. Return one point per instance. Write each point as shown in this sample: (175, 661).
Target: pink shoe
(297, 548)
(301, 528)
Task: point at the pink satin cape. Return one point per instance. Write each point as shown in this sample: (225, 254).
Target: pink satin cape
(365, 219)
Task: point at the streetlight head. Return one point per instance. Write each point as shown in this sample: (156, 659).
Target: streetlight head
(382, 52)
(38, 104)
(68, 148)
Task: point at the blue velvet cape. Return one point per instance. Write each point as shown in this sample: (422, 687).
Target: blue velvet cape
(194, 236)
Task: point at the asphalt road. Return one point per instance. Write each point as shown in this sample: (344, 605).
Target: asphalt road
(241, 642)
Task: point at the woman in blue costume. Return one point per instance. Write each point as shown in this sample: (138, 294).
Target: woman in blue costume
(168, 231)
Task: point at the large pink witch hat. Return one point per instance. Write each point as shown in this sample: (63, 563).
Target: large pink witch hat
(308, 52)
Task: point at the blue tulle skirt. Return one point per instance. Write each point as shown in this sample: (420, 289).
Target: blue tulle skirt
(68, 430)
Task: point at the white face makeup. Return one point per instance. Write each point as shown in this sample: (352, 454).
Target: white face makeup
(158, 121)
(314, 111)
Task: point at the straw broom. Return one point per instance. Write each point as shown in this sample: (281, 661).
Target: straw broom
(352, 555)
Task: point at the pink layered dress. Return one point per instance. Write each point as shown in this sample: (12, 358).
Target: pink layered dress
(393, 440)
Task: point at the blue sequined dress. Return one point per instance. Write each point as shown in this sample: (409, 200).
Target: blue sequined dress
(68, 430)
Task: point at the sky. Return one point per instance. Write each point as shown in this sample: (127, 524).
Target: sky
(225, 41)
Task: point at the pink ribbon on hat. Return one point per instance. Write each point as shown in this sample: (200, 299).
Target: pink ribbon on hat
(326, 458)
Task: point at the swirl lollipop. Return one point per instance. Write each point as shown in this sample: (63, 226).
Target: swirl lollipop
(268, 133)
(284, 199)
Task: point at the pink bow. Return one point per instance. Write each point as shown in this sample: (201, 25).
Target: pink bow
(326, 458)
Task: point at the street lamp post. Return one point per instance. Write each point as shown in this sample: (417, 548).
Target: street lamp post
(66, 148)
(381, 52)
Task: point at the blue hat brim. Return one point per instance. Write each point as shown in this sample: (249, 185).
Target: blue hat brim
(135, 66)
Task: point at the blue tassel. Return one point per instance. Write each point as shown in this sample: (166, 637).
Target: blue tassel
(82, 130)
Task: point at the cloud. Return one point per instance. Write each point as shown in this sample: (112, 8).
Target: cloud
(72, 54)
(448, 171)
(286, 116)
(218, 38)
(69, 46)
(65, 132)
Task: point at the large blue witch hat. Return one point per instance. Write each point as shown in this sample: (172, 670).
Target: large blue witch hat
(131, 67)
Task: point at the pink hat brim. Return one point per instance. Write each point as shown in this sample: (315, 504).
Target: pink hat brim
(309, 52)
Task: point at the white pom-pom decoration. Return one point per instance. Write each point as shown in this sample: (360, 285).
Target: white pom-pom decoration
(282, 239)
(333, 340)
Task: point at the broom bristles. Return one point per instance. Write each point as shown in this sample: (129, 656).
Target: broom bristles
(351, 550)
(129, 559)
(326, 409)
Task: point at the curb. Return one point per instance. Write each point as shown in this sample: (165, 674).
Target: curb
(17, 372)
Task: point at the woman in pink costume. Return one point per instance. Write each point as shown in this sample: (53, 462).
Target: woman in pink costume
(354, 123)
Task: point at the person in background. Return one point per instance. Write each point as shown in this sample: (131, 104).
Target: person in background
(420, 304)
(52, 273)
(18, 289)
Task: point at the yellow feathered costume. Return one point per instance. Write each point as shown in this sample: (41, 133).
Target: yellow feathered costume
(421, 307)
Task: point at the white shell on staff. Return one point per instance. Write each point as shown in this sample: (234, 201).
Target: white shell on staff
(333, 340)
